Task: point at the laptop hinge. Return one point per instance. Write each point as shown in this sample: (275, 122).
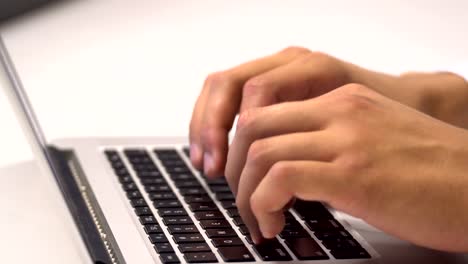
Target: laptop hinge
(84, 208)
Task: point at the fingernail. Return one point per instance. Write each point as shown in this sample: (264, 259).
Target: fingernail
(195, 152)
(207, 162)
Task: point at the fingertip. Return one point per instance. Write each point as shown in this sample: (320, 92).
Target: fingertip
(196, 156)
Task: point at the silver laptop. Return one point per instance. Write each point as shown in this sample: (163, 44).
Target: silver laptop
(139, 200)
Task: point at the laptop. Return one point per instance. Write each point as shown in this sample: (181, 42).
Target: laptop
(139, 200)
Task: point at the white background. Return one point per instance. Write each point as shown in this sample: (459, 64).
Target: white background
(129, 68)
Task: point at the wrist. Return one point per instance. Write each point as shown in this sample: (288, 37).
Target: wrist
(443, 95)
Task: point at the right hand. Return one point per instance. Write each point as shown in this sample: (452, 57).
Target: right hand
(295, 74)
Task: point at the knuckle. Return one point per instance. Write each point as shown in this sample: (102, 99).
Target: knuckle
(317, 56)
(258, 153)
(353, 163)
(295, 50)
(219, 79)
(279, 169)
(246, 121)
(355, 89)
(254, 85)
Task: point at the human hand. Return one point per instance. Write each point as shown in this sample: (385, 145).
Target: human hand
(296, 74)
(360, 152)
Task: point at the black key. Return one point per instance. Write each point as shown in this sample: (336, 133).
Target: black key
(158, 188)
(181, 229)
(226, 232)
(172, 212)
(162, 196)
(198, 199)
(311, 210)
(194, 247)
(200, 257)
(153, 229)
(163, 248)
(217, 182)
(164, 152)
(324, 225)
(180, 220)
(178, 169)
(125, 179)
(195, 207)
(140, 202)
(143, 211)
(192, 191)
(272, 250)
(235, 254)
(134, 194)
(340, 243)
(209, 215)
(225, 196)
(233, 212)
(169, 258)
(249, 240)
(131, 186)
(220, 188)
(295, 233)
(227, 241)
(148, 181)
(305, 248)
(221, 223)
(157, 238)
(148, 219)
(186, 151)
(149, 174)
(167, 204)
(228, 204)
(122, 172)
(323, 235)
(238, 221)
(173, 163)
(350, 254)
(187, 184)
(182, 176)
(244, 230)
(188, 238)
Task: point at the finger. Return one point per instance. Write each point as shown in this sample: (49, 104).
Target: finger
(263, 154)
(305, 77)
(285, 118)
(222, 104)
(308, 180)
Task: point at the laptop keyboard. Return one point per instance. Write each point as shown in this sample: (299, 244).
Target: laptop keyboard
(191, 223)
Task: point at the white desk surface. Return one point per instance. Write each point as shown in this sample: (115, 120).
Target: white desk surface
(121, 68)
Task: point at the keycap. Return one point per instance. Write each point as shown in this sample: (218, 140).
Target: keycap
(162, 196)
(173, 163)
(272, 250)
(295, 233)
(148, 173)
(134, 194)
(167, 204)
(340, 243)
(188, 238)
(148, 181)
(200, 257)
(350, 254)
(195, 207)
(169, 258)
(186, 150)
(235, 254)
(225, 196)
(305, 248)
(194, 247)
(180, 229)
(214, 224)
(153, 228)
(311, 210)
(157, 238)
(186, 184)
(323, 224)
(139, 202)
(233, 212)
(148, 219)
(177, 220)
(226, 232)
(158, 188)
(216, 182)
(244, 229)
(163, 248)
(125, 179)
(182, 176)
(178, 169)
(226, 241)
(209, 215)
(198, 199)
(332, 234)
(228, 204)
(220, 189)
(238, 221)
(131, 186)
(143, 211)
(172, 212)
(192, 191)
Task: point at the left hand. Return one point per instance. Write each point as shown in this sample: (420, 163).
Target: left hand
(362, 153)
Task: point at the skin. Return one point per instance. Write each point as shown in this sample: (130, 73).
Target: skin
(389, 149)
